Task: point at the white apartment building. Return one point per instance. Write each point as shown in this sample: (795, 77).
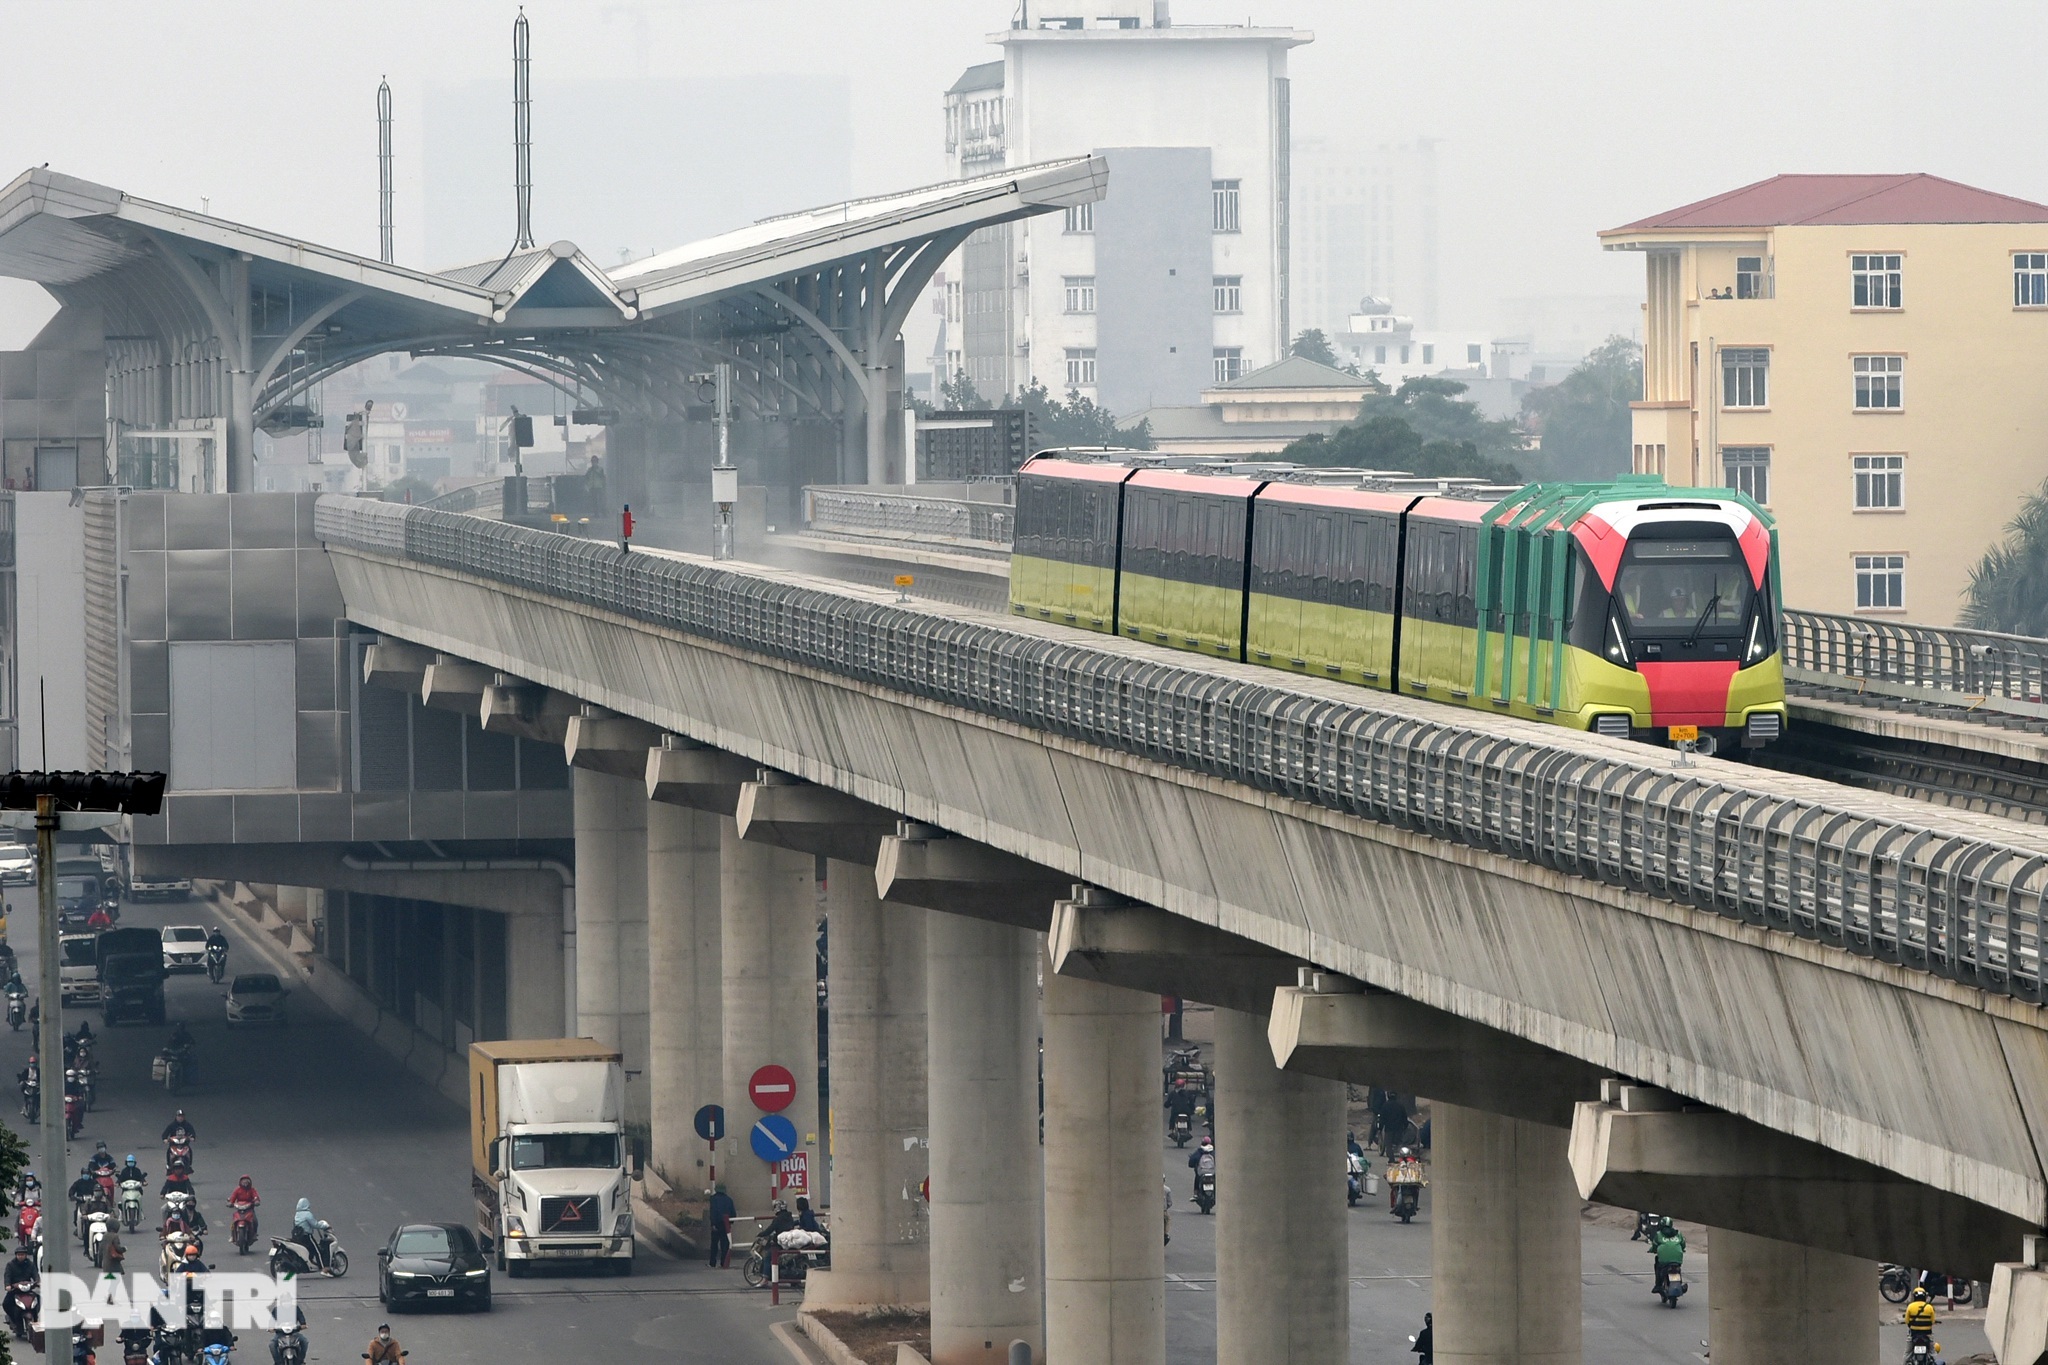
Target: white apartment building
(1179, 280)
(1374, 337)
(1365, 223)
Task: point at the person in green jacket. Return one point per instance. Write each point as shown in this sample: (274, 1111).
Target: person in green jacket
(1667, 1245)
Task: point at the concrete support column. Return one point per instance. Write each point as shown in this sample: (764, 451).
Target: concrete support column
(1771, 1301)
(1282, 1254)
(536, 997)
(685, 987)
(881, 1228)
(987, 1188)
(611, 922)
(768, 956)
(1105, 1253)
(1504, 1248)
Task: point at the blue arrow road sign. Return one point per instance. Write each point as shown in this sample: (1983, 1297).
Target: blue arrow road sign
(711, 1122)
(774, 1138)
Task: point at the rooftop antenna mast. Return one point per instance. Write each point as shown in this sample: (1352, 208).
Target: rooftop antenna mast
(384, 249)
(522, 131)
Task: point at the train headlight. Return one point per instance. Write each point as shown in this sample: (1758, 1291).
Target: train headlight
(1756, 639)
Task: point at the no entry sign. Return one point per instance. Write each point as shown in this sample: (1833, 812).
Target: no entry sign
(772, 1089)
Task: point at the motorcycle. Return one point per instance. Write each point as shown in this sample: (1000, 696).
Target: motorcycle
(23, 1303)
(242, 1226)
(1921, 1350)
(216, 965)
(1894, 1282)
(1183, 1127)
(169, 1068)
(288, 1346)
(131, 1204)
(74, 1115)
(1354, 1179)
(793, 1264)
(178, 1155)
(31, 1101)
(17, 1012)
(99, 1224)
(289, 1257)
(216, 1353)
(1205, 1189)
(135, 1342)
(1672, 1286)
(28, 1221)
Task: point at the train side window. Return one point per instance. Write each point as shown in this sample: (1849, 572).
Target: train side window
(1177, 539)
(1262, 549)
(1321, 556)
(1105, 526)
(1467, 550)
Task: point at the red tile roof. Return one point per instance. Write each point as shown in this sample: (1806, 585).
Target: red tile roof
(1786, 200)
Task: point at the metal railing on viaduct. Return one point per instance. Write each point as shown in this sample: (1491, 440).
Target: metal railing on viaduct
(1947, 894)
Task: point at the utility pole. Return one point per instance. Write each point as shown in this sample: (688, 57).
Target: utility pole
(725, 478)
(385, 251)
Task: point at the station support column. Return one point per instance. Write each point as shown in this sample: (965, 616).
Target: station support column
(987, 1180)
(881, 1228)
(685, 988)
(611, 922)
(1105, 1255)
(1504, 1248)
(1769, 1301)
(1282, 1249)
(768, 958)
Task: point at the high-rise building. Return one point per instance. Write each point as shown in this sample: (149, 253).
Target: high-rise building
(1177, 281)
(1365, 225)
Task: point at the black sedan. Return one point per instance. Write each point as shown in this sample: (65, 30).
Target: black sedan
(433, 1263)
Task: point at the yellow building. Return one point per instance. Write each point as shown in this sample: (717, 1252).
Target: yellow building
(1863, 354)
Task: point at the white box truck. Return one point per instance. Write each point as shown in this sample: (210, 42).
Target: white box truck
(552, 1173)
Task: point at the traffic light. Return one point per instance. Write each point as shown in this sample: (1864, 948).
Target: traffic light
(522, 431)
(129, 793)
(352, 440)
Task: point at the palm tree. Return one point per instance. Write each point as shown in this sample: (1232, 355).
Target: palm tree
(2009, 587)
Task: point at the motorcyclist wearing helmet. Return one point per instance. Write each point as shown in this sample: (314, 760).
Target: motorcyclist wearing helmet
(131, 1171)
(308, 1233)
(1206, 1148)
(101, 1161)
(179, 1126)
(1919, 1319)
(1667, 1246)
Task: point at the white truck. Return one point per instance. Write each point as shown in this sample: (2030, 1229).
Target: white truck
(80, 968)
(552, 1170)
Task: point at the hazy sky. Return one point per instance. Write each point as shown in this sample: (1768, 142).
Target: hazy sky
(1557, 117)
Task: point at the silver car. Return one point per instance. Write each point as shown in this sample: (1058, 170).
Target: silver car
(184, 948)
(256, 998)
(17, 864)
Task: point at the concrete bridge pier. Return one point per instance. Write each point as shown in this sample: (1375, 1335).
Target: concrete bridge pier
(685, 1026)
(611, 922)
(987, 1181)
(1770, 1301)
(1105, 1290)
(1282, 1245)
(881, 1229)
(1504, 1246)
(768, 930)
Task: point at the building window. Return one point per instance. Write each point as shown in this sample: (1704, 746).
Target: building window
(1875, 281)
(1880, 482)
(1080, 293)
(1428, 353)
(1745, 377)
(1879, 382)
(1379, 355)
(1080, 367)
(1081, 218)
(1229, 293)
(1749, 277)
(2030, 279)
(1223, 206)
(1229, 363)
(1648, 459)
(1472, 355)
(1747, 469)
(1404, 355)
(1880, 582)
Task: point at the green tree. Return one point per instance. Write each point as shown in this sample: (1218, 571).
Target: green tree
(1423, 427)
(1583, 421)
(410, 488)
(1080, 421)
(2009, 586)
(960, 395)
(1313, 344)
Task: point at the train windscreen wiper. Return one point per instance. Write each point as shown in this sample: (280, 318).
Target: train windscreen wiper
(1701, 624)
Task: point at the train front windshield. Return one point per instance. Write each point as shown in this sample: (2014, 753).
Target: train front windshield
(1684, 588)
